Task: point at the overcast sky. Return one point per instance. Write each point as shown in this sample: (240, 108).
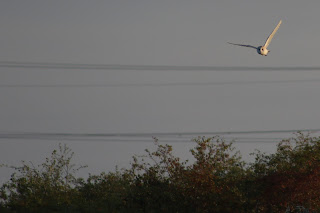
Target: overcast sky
(164, 33)
(167, 32)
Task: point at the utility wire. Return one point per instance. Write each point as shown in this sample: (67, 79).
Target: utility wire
(176, 135)
(155, 84)
(73, 66)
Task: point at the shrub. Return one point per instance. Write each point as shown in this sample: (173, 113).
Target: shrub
(47, 186)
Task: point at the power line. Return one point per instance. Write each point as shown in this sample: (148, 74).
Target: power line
(254, 137)
(73, 66)
(155, 84)
(103, 136)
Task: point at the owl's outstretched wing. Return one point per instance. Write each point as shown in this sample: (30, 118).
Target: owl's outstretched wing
(272, 34)
(243, 45)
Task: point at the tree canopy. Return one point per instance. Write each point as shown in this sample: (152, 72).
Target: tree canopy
(216, 180)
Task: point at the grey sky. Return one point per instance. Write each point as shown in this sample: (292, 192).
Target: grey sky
(144, 32)
(159, 32)
(165, 33)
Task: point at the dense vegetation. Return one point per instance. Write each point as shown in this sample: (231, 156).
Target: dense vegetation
(217, 180)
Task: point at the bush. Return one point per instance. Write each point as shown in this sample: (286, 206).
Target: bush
(216, 180)
(48, 186)
(290, 177)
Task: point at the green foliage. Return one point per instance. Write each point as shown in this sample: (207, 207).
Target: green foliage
(290, 177)
(216, 180)
(104, 192)
(47, 186)
(211, 183)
